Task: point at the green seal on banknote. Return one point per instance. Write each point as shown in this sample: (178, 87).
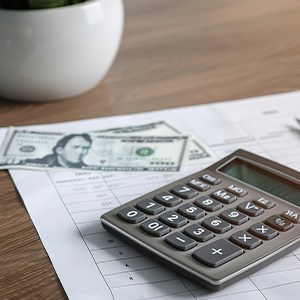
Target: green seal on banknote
(145, 151)
(27, 149)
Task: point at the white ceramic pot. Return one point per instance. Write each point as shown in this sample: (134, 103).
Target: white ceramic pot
(57, 53)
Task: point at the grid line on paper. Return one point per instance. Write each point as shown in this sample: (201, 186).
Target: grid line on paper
(87, 222)
(103, 248)
(257, 288)
(135, 270)
(269, 273)
(50, 178)
(150, 283)
(279, 285)
(221, 296)
(255, 139)
(119, 259)
(168, 294)
(191, 291)
(158, 297)
(88, 210)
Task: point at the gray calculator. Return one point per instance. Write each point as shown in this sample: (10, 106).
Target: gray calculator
(218, 225)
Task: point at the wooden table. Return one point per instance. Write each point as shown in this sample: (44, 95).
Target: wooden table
(173, 53)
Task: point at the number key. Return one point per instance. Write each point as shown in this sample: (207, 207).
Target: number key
(233, 216)
(208, 204)
(172, 219)
(131, 215)
(184, 191)
(167, 199)
(149, 207)
(198, 233)
(217, 225)
(191, 211)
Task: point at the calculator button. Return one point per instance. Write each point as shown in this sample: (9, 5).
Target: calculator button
(180, 241)
(217, 225)
(210, 179)
(291, 216)
(262, 231)
(250, 209)
(172, 219)
(245, 240)
(237, 190)
(217, 253)
(155, 228)
(234, 217)
(279, 223)
(199, 185)
(131, 215)
(150, 207)
(224, 196)
(208, 204)
(184, 191)
(191, 211)
(167, 199)
(264, 203)
(198, 233)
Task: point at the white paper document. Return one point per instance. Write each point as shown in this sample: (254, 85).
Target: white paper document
(93, 264)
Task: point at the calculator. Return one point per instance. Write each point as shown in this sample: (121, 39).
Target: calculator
(218, 225)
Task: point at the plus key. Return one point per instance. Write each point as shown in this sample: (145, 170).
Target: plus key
(217, 253)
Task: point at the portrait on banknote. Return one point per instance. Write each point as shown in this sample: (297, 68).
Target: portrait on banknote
(68, 152)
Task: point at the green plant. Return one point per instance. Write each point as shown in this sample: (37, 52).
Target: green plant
(36, 4)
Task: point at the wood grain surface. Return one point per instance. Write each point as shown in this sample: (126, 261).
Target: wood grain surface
(173, 53)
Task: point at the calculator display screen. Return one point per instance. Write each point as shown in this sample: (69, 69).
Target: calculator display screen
(262, 179)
